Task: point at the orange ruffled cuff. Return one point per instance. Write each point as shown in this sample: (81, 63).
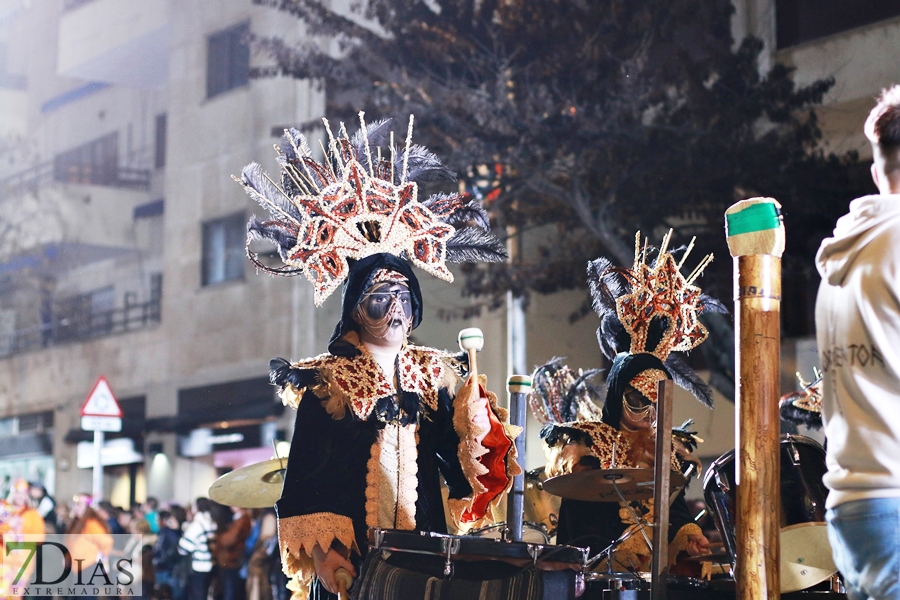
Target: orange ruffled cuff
(489, 466)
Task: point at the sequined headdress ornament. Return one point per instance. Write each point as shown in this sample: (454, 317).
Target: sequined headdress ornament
(653, 308)
(561, 395)
(358, 202)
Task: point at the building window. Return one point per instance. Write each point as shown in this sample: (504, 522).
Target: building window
(223, 249)
(228, 60)
(798, 21)
(159, 160)
(96, 162)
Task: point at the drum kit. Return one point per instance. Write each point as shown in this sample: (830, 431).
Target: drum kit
(806, 562)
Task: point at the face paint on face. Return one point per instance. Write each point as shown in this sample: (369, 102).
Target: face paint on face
(383, 306)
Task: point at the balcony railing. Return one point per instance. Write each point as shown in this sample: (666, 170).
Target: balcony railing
(82, 326)
(30, 180)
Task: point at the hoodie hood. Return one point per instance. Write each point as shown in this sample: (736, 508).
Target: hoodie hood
(867, 218)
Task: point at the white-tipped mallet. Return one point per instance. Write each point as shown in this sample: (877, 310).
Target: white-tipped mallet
(471, 340)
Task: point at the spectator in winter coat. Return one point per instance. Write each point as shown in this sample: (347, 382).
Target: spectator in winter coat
(229, 552)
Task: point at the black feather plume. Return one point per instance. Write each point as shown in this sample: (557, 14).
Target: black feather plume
(472, 244)
(685, 377)
(466, 213)
(422, 165)
(273, 231)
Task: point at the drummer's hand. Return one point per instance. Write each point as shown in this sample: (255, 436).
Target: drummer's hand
(327, 563)
(481, 419)
(697, 545)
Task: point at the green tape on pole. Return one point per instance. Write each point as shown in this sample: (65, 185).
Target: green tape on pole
(756, 217)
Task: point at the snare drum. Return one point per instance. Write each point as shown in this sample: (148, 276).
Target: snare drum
(805, 552)
(431, 565)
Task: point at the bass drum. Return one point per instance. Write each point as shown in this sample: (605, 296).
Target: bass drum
(805, 552)
(541, 508)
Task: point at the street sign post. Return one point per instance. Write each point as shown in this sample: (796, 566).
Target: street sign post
(100, 413)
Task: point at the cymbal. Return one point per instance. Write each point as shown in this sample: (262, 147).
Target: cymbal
(600, 485)
(254, 486)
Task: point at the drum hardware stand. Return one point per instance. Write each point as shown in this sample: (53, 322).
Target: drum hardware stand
(504, 531)
(518, 386)
(449, 546)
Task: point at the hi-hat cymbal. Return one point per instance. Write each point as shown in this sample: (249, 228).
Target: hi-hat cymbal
(600, 485)
(254, 486)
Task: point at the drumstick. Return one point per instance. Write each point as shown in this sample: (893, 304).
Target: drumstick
(756, 241)
(344, 580)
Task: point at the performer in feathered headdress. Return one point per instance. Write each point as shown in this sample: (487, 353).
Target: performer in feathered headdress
(648, 315)
(378, 423)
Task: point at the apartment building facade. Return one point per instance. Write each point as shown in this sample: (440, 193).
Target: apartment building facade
(122, 233)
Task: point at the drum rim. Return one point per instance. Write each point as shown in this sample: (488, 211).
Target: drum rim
(728, 456)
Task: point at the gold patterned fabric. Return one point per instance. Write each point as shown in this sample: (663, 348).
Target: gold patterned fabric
(647, 383)
(358, 382)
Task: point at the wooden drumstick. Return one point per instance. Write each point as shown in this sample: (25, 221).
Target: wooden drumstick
(344, 580)
(471, 340)
(756, 241)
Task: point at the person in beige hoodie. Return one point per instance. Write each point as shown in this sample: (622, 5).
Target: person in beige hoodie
(858, 335)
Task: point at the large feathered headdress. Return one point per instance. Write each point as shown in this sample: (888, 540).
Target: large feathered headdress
(358, 202)
(560, 395)
(652, 308)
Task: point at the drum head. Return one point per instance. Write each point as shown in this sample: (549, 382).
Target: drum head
(805, 556)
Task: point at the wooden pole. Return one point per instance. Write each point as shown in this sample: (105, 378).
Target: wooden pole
(661, 490)
(756, 241)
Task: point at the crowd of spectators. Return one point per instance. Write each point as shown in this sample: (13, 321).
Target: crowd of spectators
(205, 551)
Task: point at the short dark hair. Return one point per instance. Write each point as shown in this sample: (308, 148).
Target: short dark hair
(883, 124)
(203, 504)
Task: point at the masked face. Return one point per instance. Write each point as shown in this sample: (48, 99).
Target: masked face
(638, 411)
(383, 307)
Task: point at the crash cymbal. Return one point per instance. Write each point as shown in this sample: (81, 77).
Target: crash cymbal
(254, 486)
(600, 485)
(805, 556)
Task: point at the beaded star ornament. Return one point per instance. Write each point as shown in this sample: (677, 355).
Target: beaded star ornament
(661, 294)
(358, 202)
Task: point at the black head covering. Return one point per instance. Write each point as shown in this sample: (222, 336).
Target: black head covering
(624, 368)
(358, 281)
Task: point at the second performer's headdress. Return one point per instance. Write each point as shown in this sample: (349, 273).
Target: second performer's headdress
(649, 316)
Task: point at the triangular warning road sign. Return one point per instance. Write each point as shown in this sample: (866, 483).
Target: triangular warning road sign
(101, 402)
